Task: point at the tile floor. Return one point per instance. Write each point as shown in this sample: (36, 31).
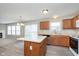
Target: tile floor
(58, 51)
(16, 49)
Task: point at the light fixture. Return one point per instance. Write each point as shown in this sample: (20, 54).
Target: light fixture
(55, 17)
(20, 23)
(44, 11)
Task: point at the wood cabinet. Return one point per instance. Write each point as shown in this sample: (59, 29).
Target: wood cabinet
(26, 48)
(67, 24)
(35, 49)
(60, 40)
(54, 40)
(71, 23)
(76, 18)
(48, 38)
(64, 41)
(44, 25)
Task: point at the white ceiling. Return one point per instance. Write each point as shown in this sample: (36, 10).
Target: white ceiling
(10, 12)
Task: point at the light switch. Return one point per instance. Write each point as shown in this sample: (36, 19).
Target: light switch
(30, 47)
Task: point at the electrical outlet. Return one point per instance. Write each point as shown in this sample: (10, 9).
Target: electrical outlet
(30, 47)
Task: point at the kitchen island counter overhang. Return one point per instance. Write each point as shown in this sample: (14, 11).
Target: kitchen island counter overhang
(34, 46)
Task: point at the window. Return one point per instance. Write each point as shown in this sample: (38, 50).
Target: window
(17, 30)
(9, 30)
(55, 27)
(13, 30)
(31, 30)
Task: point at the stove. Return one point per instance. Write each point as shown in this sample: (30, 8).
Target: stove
(74, 45)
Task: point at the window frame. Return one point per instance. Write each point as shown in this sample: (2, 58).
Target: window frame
(13, 30)
(60, 27)
(30, 32)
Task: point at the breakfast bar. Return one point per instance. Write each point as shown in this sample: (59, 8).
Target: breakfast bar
(34, 46)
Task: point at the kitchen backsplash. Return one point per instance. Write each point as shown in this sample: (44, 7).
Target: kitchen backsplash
(69, 32)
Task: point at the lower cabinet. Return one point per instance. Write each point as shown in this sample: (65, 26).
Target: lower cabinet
(26, 48)
(60, 40)
(35, 49)
(43, 49)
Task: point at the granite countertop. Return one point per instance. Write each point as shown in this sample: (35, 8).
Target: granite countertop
(36, 39)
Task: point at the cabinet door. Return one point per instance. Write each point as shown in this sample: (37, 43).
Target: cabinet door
(43, 48)
(35, 49)
(44, 25)
(67, 23)
(77, 23)
(60, 40)
(74, 22)
(54, 40)
(27, 51)
(64, 41)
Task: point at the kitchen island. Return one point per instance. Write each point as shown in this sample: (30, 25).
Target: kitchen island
(34, 46)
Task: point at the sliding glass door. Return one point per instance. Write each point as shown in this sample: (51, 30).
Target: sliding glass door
(31, 30)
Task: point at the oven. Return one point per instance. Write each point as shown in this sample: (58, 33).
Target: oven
(74, 46)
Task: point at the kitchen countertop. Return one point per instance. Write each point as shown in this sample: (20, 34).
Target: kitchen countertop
(36, 39)
(76, 37)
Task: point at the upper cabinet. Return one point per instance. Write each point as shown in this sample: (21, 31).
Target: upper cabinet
(71, 23)
(76, 22)
(44, 25)
(67, 23)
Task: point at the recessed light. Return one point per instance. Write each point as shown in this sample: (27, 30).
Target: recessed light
(22, 24)
(55, 17)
